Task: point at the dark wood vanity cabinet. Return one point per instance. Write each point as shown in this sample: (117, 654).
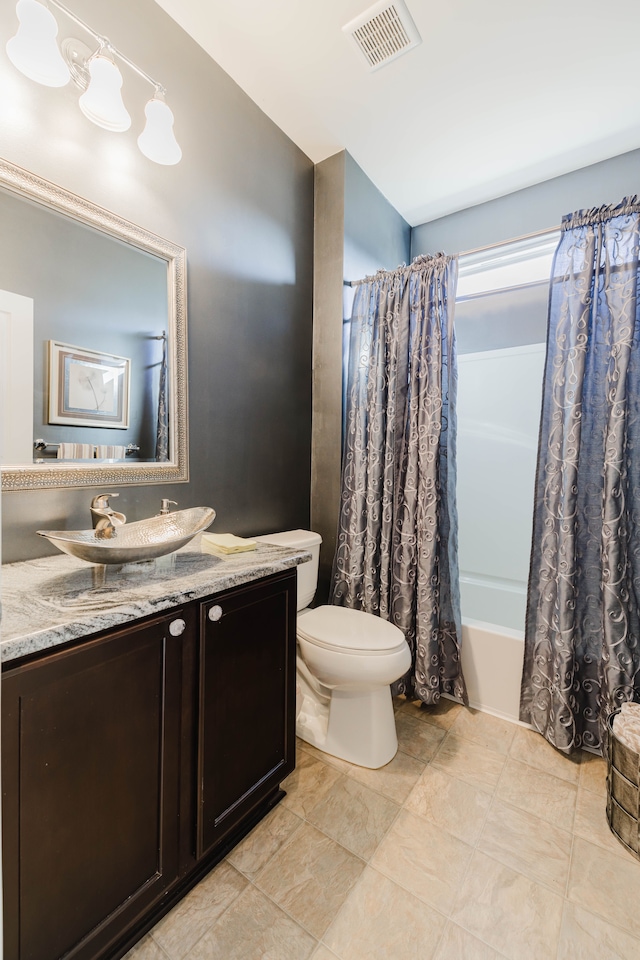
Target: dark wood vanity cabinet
(90, 758)
(247, 705)
(132, 761)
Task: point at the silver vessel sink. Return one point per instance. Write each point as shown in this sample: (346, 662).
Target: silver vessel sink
(132, 542)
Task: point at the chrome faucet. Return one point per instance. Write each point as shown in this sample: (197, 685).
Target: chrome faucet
(104, 519)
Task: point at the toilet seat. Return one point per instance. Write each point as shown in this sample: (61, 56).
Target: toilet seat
(349, 631)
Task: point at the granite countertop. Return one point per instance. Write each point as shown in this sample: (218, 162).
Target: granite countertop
(52, 600)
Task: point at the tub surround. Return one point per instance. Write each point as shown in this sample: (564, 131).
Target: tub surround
(492, 658)
(53, 600)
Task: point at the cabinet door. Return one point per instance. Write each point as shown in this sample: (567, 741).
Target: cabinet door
(247, 703)
(90, 750)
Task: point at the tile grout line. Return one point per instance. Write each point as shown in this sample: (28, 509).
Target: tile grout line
(158, 945)
(401, 806)
(347, 773)
(441, 937)
(295, 920)
(329, 837)
(298, 922)
(543, 883)
(213, 924)
(593, 913)
(395, 883)
(283, 846)
(494, 798)
(282, 909)
(566, 886)
(285, 843)
(539, 769)
(515, 807)
(574, 837)
(319, 940)
(468, 868)
(367, 863)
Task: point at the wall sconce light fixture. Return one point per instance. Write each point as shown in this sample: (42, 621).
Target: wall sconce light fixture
(102, 101)
(34, 52)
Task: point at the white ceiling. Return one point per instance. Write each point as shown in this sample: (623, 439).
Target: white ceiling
(499, 95)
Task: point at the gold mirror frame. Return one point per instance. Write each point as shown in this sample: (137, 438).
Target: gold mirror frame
(176, 469)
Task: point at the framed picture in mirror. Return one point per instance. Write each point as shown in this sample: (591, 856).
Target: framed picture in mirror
(87, 388)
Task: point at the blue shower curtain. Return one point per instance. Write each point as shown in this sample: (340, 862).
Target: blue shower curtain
(397, 539)
(582, 641)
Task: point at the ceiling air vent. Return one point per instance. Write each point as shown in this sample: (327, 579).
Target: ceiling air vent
(383, 32)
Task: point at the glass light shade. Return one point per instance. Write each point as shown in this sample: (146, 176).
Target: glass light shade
(102, 101)
(34, 51)
(157, 141)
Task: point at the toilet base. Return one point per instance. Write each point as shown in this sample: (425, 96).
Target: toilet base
(354, 725)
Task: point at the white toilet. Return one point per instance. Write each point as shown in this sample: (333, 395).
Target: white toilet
(346, 661)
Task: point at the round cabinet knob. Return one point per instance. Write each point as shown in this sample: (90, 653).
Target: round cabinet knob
(177, 628)
(215, 613)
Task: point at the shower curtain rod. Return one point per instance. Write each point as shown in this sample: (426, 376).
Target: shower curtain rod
(489, 246)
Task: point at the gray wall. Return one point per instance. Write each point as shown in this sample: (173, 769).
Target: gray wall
(241, 202)
(375, 235)
(534, 209)
(357, 232)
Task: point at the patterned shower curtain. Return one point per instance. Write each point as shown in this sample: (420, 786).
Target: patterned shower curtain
(162, 420)
(582, 653)
(397, 540)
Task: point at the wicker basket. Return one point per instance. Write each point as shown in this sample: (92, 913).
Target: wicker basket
(623, 791)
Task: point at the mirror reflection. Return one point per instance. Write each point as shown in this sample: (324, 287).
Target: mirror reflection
(106, 302)
(92, 343)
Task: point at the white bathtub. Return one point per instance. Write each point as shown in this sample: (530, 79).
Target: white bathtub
(492, 658)
(499, 399)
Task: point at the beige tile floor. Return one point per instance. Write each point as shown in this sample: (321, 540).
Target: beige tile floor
(477, 842)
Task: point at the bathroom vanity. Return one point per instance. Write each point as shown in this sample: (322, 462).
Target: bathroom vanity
(148, 719)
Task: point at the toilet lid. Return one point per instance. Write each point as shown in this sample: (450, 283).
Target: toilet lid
(339, 628)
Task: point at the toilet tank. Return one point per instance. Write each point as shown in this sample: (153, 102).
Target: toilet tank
(307, 572)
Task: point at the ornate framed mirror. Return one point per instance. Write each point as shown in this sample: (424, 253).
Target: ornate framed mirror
(93, 343)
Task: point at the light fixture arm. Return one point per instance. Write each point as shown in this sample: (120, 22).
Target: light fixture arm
(104, 42)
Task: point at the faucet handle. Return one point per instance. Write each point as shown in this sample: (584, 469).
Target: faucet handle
(101, 501)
